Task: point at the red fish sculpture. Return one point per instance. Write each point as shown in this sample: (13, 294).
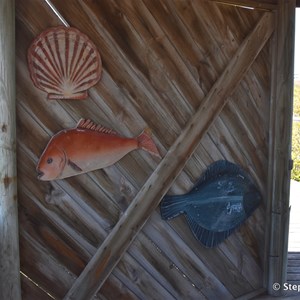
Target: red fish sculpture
(85, 148)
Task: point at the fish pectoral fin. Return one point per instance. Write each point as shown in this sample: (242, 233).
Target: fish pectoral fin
(74, 166)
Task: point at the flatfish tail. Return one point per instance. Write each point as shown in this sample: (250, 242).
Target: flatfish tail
(208, 238)
(172, 206)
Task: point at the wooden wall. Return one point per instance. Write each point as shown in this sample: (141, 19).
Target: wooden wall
(9, 238)
(161, 60)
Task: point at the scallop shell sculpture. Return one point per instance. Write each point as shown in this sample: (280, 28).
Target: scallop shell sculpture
(64, 63)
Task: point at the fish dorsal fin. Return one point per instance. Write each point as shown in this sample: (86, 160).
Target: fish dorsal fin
(88, 124)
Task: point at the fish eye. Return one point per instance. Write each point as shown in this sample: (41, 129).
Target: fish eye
(49, 160)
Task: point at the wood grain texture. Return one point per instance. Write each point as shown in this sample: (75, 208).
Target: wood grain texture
(30, 291)
(280, 146)
(9, 250)
(106, 257)
(160, 60)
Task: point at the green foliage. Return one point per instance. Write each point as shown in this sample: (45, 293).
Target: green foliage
(297, 99)
(296, 135)
(296, 151)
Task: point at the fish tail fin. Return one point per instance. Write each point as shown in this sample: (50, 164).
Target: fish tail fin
(146, 143)
(172, 206)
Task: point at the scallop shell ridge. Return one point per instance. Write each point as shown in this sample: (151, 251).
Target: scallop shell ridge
(64, 63)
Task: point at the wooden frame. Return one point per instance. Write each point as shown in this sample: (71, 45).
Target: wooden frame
(9, 242)
(118, 241)
(280, 146)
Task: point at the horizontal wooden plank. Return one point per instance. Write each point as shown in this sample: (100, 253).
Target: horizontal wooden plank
(293, 269)
(293, 256)
(293, 277)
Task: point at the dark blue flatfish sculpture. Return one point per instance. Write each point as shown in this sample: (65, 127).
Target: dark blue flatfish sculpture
(224, 197)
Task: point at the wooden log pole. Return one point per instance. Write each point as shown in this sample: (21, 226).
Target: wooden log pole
(9, 235)
(147, 199)
(280, 139)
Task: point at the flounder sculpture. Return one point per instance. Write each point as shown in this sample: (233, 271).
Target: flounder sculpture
(64, 63)
(85, 148)
(220, 202)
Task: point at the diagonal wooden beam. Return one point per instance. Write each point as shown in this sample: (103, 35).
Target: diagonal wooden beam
(124, 232)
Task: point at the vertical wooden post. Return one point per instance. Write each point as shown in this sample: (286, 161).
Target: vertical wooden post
(280, 146)
(9, 241)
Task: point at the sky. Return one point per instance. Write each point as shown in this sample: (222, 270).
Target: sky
(297, 46)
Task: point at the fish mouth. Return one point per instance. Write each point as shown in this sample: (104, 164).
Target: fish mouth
(40, 174)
